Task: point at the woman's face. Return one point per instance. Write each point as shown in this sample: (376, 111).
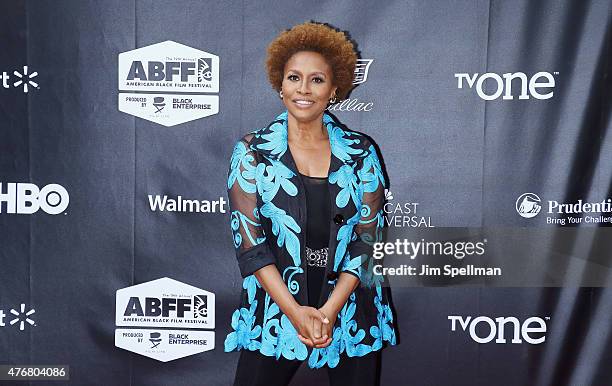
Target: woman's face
(307, 85)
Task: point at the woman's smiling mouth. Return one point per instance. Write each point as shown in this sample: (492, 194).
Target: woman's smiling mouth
(303, 102)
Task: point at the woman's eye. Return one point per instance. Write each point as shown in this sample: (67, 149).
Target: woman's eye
(318, 80)
(293, 77)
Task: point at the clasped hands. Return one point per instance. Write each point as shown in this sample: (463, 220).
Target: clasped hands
(314, 326)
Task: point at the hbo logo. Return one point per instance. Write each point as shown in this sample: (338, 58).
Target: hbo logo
(26, 198)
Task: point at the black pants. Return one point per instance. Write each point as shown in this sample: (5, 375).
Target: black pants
(256, 369)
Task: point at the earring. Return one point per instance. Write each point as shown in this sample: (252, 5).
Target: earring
(333, 99)
(280, 94)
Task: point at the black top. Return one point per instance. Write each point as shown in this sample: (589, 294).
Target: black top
(317, 234)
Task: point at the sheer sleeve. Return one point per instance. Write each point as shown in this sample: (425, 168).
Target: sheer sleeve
(252, 250)
(368, 229)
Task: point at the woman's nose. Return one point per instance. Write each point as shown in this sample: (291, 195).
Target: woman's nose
(304, 88)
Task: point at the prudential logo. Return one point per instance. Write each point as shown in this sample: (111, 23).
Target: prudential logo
(528, 205)
(22, 78)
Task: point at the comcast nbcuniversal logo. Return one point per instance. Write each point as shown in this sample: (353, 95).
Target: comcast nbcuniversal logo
(20, 317)
(20, 79)
(528, 205)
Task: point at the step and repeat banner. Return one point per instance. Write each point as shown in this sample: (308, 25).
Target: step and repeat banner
(118, 120)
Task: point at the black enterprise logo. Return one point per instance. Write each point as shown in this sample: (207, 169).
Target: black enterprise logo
(183, 339)
(188, 104)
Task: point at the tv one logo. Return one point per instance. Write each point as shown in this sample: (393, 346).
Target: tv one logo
(484, 329)
(27, 198)
(538, 86)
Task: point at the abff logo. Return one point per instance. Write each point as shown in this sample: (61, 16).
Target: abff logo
(528, 205)
(167, 307)
(165, 302)
(169, 67)
(168, 83)
(166, 71)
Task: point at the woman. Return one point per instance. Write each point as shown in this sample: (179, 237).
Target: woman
(306, 198)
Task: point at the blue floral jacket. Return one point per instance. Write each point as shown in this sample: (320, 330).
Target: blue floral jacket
(268, 222)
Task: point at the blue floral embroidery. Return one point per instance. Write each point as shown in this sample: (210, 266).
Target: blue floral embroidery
(384, 330)
(285, 228)
(371, 173)
(238, 219)
(279, 338)
(270, 310)
(268, 341)
(345, 235)
(345, 341)
(353, 265)
(245, 332)
(277, 138)
(365, 213)
(270, 178)
(276, 336)
(367, 276)
(241, 158)
(250, 284)
(352, 343)
(339, 141)
(329, 355)
(346, 179)
(284, 340)
(292, 285)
